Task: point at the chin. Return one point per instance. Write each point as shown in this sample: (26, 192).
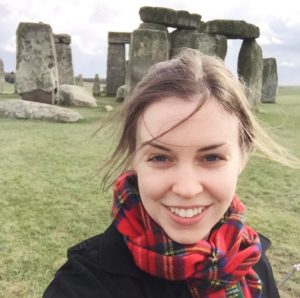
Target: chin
(187, 239)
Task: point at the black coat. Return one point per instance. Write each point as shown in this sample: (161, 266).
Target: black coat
(102, 267)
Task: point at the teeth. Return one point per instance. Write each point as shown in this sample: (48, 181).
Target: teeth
(186, 212)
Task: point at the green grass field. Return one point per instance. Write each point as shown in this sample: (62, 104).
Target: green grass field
(51, 198)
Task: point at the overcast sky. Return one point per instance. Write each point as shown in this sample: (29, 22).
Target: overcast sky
(88, 22)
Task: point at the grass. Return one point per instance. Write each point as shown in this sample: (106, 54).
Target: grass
(50, 194)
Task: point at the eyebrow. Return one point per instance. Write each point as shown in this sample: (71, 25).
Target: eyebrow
(161, 147)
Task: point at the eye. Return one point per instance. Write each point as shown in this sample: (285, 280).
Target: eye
(211, 158)
(158, 158)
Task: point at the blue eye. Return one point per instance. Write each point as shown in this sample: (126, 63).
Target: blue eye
(212, 158)
(159, 158)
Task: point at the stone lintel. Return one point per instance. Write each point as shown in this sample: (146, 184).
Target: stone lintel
(119, 37)
(170, 17)
(232, 29)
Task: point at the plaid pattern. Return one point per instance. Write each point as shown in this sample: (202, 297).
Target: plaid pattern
(209, 267)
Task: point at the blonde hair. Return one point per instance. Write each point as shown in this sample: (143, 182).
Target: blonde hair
(194, 75)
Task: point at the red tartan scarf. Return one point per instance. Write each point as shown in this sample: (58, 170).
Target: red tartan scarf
(211, 268)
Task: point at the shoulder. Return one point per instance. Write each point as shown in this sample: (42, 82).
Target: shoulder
(102, 266)
(264, 270)
(79, 276)
(84, 274)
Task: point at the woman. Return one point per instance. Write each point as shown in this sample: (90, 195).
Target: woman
(178, 227)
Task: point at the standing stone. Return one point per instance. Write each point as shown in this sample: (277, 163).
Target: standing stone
(211, 44)
(116, 61)
(153, 26)
(250, 66)
(270, 81)
(147, 47)
(181, 38)
(64, 59)
(79, 80)
(116, 68)
(2, 75)
(36, 70)
(96, 86)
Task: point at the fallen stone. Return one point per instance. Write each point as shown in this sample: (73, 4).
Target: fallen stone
(77, 96)
(108, 108)
(21, 109)
(120, 96)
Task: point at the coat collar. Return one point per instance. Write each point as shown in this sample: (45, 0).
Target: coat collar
(115, 256)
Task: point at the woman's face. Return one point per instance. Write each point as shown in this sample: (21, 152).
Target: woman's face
(187, 177)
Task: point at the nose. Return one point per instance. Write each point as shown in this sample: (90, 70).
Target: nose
(187, 183)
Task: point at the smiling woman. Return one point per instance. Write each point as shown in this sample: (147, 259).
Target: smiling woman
(178, 225)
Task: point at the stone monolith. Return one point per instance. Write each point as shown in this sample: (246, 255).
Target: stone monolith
(250, 67)
(116, 68)
(2, 75)
(270, 81)
(96, 86)
(147, 47)
(64, 59)
(36, 69)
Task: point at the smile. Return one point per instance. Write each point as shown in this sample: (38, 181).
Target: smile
(187, 213)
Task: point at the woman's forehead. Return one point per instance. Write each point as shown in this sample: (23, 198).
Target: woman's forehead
(210, 120)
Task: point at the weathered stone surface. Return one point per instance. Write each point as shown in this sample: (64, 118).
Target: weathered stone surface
(20, 109)
(119, 37)
(211, 44)
(72, 95)
(96, 86)
(79, 80)
(64, 59)
(250, 67)
(10, 77)
(2, 75)
(40, 95)
(120, 94)
(181, 38)
(62, 38)
(169, 17)
(175, 52)
(116, 68)
(153, 26)
(270, 81)
(147, 48)
(36, 62)
(233, 29)
(108, 108)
